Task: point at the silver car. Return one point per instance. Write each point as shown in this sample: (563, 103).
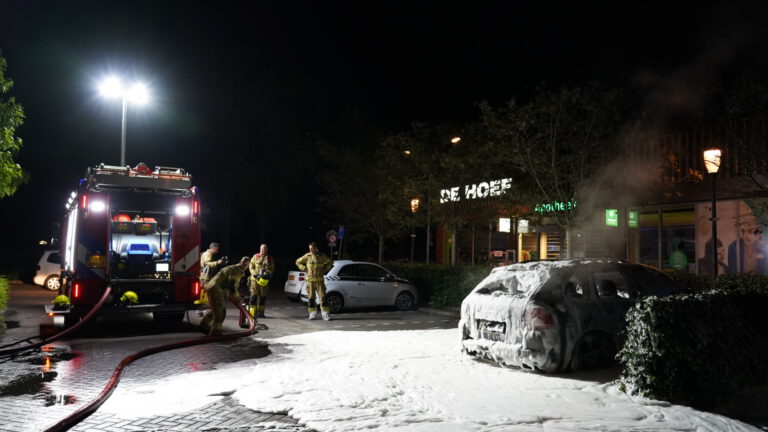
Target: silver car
(353, 284)
(556, 315)
(48, 270)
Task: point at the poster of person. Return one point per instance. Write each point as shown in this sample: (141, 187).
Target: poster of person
(741, 246)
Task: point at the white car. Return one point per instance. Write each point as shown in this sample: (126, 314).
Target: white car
(357, 284)
(556, 315)
(48, 270)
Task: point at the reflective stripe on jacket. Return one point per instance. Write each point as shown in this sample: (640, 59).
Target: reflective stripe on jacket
(314, 265)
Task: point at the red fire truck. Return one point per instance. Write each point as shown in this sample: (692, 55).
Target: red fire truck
(138, 231)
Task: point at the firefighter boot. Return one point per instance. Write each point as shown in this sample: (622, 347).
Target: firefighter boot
(312, 314)
(326, 316)
(262, 306)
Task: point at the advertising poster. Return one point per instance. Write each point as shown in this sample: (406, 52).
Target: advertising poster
(741, 246)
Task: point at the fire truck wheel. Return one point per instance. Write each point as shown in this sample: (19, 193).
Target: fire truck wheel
(168, 317)
(52, 283)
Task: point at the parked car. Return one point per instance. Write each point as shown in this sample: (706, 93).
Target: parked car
(556, 315)
(48, 270)
(357, 284)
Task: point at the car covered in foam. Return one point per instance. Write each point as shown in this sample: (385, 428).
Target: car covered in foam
(556, 315)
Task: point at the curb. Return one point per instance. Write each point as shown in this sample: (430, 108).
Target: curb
(449, 312)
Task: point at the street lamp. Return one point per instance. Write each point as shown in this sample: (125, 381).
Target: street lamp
(712, 164)
(137, 93)
(414, 206)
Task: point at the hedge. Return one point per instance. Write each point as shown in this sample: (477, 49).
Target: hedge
(699, 349)
(3, 300)
(440, 285)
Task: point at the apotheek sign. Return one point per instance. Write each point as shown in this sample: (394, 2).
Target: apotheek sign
(473, 191)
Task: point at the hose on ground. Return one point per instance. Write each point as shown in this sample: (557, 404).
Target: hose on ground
(59, 335)
(88, 409)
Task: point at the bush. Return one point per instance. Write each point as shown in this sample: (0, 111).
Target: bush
(691, 282)
(440, 285)
(3, 300)
(699, 349)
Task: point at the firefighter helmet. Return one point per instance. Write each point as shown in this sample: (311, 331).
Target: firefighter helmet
(262, 281)
(129, 297)
(61, 300)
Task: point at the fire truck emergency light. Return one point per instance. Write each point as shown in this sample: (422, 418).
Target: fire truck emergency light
(97, 206)
(182, 210)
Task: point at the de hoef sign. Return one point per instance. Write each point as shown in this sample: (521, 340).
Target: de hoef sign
(473, 191)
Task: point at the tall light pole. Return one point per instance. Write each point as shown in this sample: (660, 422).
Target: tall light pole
(712, 164)
(137, 93)
(414, 207)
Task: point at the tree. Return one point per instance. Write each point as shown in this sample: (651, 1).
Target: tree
(362, 189)
(559, 140)
(430, 162)
(11, 117)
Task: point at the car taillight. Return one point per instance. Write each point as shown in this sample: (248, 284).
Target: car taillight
(196, 288)
(301, 276)
(539, 318)
(76, 291)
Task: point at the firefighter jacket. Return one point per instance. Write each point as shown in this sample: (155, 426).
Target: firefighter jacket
(261, 264)
(227, 280)
(207, 265)
(316, 265)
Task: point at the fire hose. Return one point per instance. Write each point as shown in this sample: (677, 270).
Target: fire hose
(93, 405)
(57, 336)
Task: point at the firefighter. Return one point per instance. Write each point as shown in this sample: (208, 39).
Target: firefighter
(222, 285)
(262, 268)
(315, 265)
(208, 267)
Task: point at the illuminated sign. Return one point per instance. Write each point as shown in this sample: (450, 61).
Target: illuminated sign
(505, 225)
(554, 207)
(522, 226)
(480, 190)
(632, 220)
(611, 217)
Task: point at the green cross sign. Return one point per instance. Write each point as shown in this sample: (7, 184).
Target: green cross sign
(633, 219)
(611, 217)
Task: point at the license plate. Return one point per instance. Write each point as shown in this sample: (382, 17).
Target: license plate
(492, 330)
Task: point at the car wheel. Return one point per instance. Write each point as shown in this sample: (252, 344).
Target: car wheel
(592, 351)
(404, 301)
(52, 283)
(335, 302)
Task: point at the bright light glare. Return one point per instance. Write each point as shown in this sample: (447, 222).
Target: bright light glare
(138, 94)
(455, 140)
(161, 267)
(111, 87)
(97, 206)
(712, 160)
(182, 210)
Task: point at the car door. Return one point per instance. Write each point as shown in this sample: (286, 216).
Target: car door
(615, 295)
(348, 284)
(375, 285)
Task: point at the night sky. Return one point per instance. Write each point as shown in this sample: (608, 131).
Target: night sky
(255, 78)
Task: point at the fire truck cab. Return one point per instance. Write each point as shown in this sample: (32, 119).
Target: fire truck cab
(138, 231)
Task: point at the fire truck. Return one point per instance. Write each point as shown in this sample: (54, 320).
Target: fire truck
(136, 230)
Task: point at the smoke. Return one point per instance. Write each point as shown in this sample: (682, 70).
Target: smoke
(668, 99)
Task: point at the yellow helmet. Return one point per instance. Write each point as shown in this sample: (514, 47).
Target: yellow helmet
(61, 300)
(261, 281)
(129, 297)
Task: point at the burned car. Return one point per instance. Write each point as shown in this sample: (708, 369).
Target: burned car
(556, 315)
